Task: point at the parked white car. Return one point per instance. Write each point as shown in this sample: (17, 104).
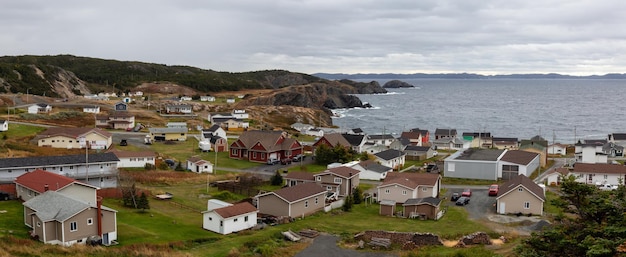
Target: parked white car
(608, 187)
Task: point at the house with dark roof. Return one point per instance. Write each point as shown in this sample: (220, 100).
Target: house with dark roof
(298, 177)
(39, 108)
(380, 139)
(590, 151)
(474, 163)
(371, 170)
(613, 150)
(422, 208)
(418, 153)
(356, 141)
(414, 137)
(216, 136)
(341, 180)
(99, 169)
(56, 218)
(450, 143)
(74, 138)
(445, 133)
(34, 183)
(116, 120)
(478, 139)
(617, 138)
(228, 218)
(401, 186)
(168, 134)
(520, 195)
(391, 158)
(536, 144)
(260, 146)
(120, 106)
(332, 140)
(424, 133)
(296, 201)
(599, 173)
(356, 131)
(516, 162)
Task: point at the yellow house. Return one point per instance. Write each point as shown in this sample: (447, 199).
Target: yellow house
(69, 138)
(168, 134)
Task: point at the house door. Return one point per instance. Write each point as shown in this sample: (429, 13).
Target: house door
(590, 179)
(105, 239)
(502, 208)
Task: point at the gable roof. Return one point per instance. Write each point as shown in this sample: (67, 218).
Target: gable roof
(336, 139)
(619, 136)
(341, 171)
(419, 201)
(445, 132)
(374, 166)
(354, 140)
(300, 175)
(410, 135)
(380, 136)
(424, 132)
(197, 160)
(38, 180)
(270, 140)
(298, 192)
(51, 206)
(57, 160)
(72, 132)
(521, 180)
(213, 128)
(477, 134)
(519, 157)
(417, 148)
(389, 154)
(599, 168)
(235, 210)
(410, 180)
(357, 130)
(480, 154)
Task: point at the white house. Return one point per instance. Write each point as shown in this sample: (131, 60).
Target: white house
(240, 114)
(590, 152)
(176, 125)
(371, 170)
(39, 108)
(198, 165)
(518, 162)
(91, 109)
(179, 108)
(599, 173)
(185, 98)
(207, 98)
(391, 158)
(4, 125)
(214, 130)
(225, 218)
(230, 100)
(301, 126)
(130, 159)
(557, 148)
(451, 143)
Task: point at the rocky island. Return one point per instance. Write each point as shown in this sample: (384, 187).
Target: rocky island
(397, 84)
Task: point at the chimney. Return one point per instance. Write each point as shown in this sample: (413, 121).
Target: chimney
(99, 215)
(46, 187)
(350, 184)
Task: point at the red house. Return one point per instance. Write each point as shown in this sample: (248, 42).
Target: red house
(425, 135)
(332, 140)
(260, 146)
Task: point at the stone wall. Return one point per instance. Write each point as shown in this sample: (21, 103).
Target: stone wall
(419, 239)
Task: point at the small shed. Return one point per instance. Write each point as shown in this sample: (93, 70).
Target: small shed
(423, 208)
(387, 207)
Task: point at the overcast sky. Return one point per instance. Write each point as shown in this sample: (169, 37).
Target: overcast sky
(334, 36)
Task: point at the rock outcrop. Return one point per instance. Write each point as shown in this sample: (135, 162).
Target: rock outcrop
(397, 84)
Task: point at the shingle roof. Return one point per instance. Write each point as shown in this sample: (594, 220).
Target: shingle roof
(524, 181)
(236, 210)
(417, 148)
(480, 154)
(419, 201)
(379, 137)
(55, 206)
(300, 175)
(336, 139)
(389, 154)
(519, 157)
(374, 166)
(421, 131)
(619, 136)
(72, 132)
(342, 171)
(299, 192)
(354, 140)
(270, 140)
(38, 179)
(410, 135)
(410, 180)
(37, 161)
(445, 132)
(599, 168)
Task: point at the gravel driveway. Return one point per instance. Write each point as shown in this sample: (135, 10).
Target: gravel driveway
(481, 204)
(326, 245)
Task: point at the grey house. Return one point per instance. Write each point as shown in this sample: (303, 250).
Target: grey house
(473, 164)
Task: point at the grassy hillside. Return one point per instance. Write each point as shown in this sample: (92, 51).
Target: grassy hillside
(19, 73)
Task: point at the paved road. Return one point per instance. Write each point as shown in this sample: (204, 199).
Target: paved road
(326, 245)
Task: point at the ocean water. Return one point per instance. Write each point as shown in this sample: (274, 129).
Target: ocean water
(559, 110)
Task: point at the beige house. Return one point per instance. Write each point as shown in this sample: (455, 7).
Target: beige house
(72, 138)
(520, 195)
(32, 184)
(168, 134)
(116, 120)
(400, 187)
(296, 201)
(339, 179)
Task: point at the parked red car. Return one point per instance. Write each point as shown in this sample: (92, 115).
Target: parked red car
(493, 190)
(467, 192)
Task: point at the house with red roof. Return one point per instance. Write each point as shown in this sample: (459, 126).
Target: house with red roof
(260, 146)
(73, 138)
(31, 184)
(225, 218)
(296, 201)
(298, 177)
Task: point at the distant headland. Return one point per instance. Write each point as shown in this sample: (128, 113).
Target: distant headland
(374, 76)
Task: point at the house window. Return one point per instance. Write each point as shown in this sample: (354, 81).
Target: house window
(254, 155)
(234, 151)
(235, 220)
(306, 204)
(287, 153)
(338, 180)
(510, 168)
(262, 155)
(38, 224)
(526, 205)
(90, 221)
(318, 178)
(606, 176)
(424, 189)
(386, 191)
(403, 192)
(316, 200)
(221, 223)
(245, 218)
(328, 188)
(73, 226)
(520, 189)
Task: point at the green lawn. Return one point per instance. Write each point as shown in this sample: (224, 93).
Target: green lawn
(18, 131)
(181, 151)
(12, 221)
(463, 181)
